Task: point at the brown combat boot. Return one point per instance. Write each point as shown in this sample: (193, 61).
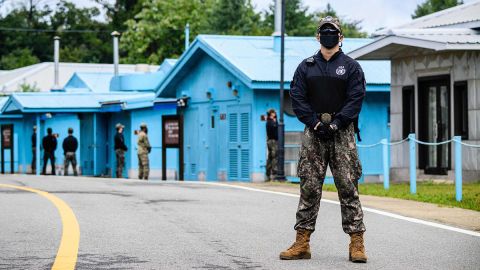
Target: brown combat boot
(300, 249)
(357, 249)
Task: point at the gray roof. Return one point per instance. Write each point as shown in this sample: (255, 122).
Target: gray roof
(461, 16)
(400, 41)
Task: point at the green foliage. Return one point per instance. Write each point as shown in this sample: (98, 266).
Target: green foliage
(234, 17)
(152, 30)
(431, 6)
(18, 58)
(350, 29)
(25, 87)
(298, 21)
(157, 32)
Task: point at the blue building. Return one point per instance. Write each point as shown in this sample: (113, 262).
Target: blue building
(229, 82)
(92, 104)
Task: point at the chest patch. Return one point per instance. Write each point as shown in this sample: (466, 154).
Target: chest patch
(340, 70)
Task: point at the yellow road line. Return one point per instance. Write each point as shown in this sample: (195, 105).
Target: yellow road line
(68, 249)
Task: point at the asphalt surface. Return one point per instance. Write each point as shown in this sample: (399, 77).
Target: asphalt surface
(129, 224)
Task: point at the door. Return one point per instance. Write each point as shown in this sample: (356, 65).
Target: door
(212, 165)
(239, 142)
(434, 108)
(191, 138)
(86, 146)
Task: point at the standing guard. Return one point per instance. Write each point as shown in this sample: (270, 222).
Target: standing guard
(144, 149)
(120, 149)
(327, 92)
(70, 146)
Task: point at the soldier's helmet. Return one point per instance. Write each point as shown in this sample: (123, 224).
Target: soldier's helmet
(143, 125)
(329, 20)
(118, 126)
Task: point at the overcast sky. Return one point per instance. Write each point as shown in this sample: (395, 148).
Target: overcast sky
(374, 14)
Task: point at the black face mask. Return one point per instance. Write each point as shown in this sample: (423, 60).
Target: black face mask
(329, 41)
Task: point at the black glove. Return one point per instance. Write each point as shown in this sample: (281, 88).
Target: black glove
(323, 132)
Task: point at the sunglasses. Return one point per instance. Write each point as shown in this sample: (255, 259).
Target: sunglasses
(328, 32)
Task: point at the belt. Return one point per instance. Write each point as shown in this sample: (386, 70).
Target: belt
(325, 118)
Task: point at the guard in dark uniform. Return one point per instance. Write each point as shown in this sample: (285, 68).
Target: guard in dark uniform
(327, 92)
(120, 148)
(34, 150)
(49, 144)
(272, 144)
(70, 146)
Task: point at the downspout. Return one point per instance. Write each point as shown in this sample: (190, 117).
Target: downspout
(56, 59)
(187, 36)
(115, 36)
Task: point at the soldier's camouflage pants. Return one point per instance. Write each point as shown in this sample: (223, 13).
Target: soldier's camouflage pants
(143, 166)
(341, 155)
(272, 146)
(70, 157)
(120, 154)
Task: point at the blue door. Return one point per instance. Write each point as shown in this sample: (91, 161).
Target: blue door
(212, 166)
(239, 142)
(191, 144)
(87, 144)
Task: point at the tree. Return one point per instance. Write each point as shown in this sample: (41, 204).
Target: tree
(298, 21)
(157, 32)
(234, 17)
(431, 6)
(350, 29)
(18, 58)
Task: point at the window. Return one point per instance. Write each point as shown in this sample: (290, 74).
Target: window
(460, 109)
(408, 110)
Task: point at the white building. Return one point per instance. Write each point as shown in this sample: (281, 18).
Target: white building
(41, 76)
(435, 89)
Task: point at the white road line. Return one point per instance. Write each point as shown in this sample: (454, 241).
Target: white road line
(366, 209)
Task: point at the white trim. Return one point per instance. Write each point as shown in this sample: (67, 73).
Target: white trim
(409, 41)
(366, 209)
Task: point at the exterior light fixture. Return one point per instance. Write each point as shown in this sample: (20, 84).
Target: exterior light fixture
(229, 84)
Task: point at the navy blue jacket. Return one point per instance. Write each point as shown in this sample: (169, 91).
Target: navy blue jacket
(319, 84)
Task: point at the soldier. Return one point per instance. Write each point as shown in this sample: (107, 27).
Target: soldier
(327, 91)
(49, 144)
(272, 144)
(34, 150)
(70, 146)
(144, 149)
(120, 149)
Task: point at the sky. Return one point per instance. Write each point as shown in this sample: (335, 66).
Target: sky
(373, 14)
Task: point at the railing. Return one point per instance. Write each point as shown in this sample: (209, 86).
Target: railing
(412, 141)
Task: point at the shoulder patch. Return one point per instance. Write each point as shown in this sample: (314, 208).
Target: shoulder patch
(340, 70)
(310, 61)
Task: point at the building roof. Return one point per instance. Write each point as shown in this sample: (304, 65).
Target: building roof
(453, 29)
(89, 82)
(41, 75)
(142, 81)
(76, 102)
(402, 42)
(462, 16)
(254, 60)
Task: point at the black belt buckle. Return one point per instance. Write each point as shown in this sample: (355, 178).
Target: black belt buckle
(325, 118)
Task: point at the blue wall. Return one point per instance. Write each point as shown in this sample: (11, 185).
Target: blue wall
(208, 151)
(153, 119)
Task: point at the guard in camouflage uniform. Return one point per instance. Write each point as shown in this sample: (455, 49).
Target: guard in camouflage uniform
(327, 92)
(144, 149)
(120, 149)
(272, 144)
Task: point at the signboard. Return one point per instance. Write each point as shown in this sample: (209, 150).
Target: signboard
(7, 137)
(171, 133)
(7, 143)
(172, 137)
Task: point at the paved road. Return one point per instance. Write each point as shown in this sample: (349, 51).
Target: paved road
(128, 224)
